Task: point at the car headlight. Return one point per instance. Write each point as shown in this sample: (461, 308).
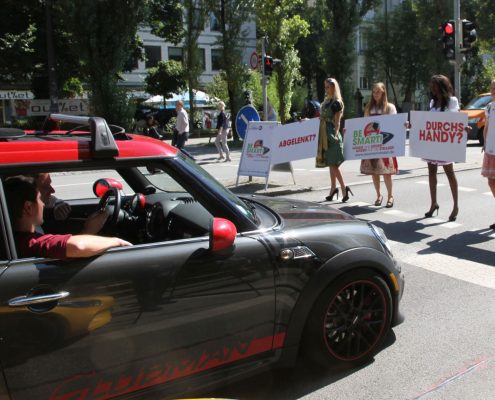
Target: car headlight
(380, 235)
(473, 120)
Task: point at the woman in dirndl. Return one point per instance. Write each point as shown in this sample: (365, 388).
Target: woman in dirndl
(488, 167)
(386, 167)
(330, 152)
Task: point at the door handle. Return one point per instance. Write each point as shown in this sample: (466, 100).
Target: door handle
(23, 301)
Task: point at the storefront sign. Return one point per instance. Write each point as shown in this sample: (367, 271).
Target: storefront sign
(438, 135)
(375, 137)
(16, 95)
(31, 108)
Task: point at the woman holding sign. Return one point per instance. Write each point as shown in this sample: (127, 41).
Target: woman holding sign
(330, 151)
(488, 167)
(442, 100)
(379, 105)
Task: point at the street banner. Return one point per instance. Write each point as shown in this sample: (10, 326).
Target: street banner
(490, 134)
(257, 149)
(380, 136)
(438, 135)
(295, 141)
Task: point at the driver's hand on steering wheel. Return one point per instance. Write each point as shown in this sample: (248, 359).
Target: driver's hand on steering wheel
(95, 222)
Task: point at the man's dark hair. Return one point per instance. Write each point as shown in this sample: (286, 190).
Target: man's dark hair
(18, 190)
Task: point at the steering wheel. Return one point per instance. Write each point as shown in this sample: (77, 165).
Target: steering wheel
(104, 203)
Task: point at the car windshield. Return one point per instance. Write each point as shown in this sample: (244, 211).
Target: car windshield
(478, 103)
(165, 183)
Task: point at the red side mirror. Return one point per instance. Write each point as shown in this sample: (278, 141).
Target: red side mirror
(222, 234)
(102, 185)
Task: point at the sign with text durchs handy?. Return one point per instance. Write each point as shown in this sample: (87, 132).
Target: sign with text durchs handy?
(490, 135)
(375, 137)
(438, 135)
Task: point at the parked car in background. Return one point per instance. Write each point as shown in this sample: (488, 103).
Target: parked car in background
(475, 110)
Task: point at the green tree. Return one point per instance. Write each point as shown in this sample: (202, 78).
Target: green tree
(233, 15)
(104, 33)
(163, 17)
(281, 22)
(165, 79)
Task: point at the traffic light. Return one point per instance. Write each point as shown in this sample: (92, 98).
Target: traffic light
(448, 39)
(469, 34)
(268, 65)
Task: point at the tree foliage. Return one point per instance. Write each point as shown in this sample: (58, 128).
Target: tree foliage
(281, 22)
(165, 18)
(166, 78)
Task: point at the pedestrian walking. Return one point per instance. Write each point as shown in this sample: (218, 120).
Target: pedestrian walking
(442, 100)
(330, 151)
(223, 131)
(181, 131)
(386, 167)
(488, 167)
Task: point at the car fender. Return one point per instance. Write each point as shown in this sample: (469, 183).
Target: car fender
(363, 257)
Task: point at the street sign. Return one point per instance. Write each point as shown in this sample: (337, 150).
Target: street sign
(245, 114)
(254, 60)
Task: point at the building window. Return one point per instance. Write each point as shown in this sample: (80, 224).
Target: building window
(364, 82)
(202, 59)
(362, 42)
(176, 54)
(153, 56)
(131, 64)
(216, 59)
(214, 23)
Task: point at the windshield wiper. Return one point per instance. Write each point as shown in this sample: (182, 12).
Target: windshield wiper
(252, 208)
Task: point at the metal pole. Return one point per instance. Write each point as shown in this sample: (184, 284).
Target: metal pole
(458, 54)
(52, 76)
(263, 80)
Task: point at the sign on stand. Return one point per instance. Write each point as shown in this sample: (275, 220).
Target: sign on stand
(269, 146)
(438, 135)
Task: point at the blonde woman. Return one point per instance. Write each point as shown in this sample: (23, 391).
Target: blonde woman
(379, 105)
(330, 146)
(223, 130)
(488, 168)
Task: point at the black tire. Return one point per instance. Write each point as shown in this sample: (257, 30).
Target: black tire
(349, 321)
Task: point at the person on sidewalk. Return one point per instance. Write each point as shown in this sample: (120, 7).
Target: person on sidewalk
(150, 129)
(330, 151)
(181, 131)
(442, 100)
(223, 130)
(488, 167)
(379, 105)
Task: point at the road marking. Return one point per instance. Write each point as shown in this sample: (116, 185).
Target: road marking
(358, 204)
(427, 183)
(399, 213)
(457, 268)
(466, 189)
(319, 170)
(451, 225)
(487, 193)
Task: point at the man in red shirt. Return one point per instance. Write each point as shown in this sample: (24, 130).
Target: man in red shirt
(26, 210)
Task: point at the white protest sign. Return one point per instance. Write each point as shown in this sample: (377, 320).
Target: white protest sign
(380, 136)
(490, 134)
(295, 141)
(257, 149)
(438, 135)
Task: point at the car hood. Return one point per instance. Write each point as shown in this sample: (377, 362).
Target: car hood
(297, 213)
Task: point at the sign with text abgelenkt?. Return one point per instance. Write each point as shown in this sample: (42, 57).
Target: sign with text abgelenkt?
(257, 149)
(295, 141)
(380, 136)
(490, 134)
(438, 135)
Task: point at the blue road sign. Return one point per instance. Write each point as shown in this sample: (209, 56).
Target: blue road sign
(245, 114)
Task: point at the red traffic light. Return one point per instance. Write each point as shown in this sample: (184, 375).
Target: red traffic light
(448, 28)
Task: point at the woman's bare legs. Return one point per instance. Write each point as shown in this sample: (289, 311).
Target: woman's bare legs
(449, 171)
(432, 180)
(388, 184)
(376, 184)
(336, 175)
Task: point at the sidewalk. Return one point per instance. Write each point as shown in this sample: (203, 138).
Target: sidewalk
(308, 178)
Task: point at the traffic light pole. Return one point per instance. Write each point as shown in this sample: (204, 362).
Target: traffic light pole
(263, 79)
(458, 54)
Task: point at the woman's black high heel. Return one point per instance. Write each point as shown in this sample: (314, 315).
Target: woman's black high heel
(330, 196)
(453, 216)
(429, 214)
(347, 191)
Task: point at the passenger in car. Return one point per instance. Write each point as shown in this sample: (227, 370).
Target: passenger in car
(26, 211)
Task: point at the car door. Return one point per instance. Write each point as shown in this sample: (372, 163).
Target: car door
(133, 317)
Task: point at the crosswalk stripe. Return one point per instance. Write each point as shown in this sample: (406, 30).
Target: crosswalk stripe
(465, 189)
(427, 183)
